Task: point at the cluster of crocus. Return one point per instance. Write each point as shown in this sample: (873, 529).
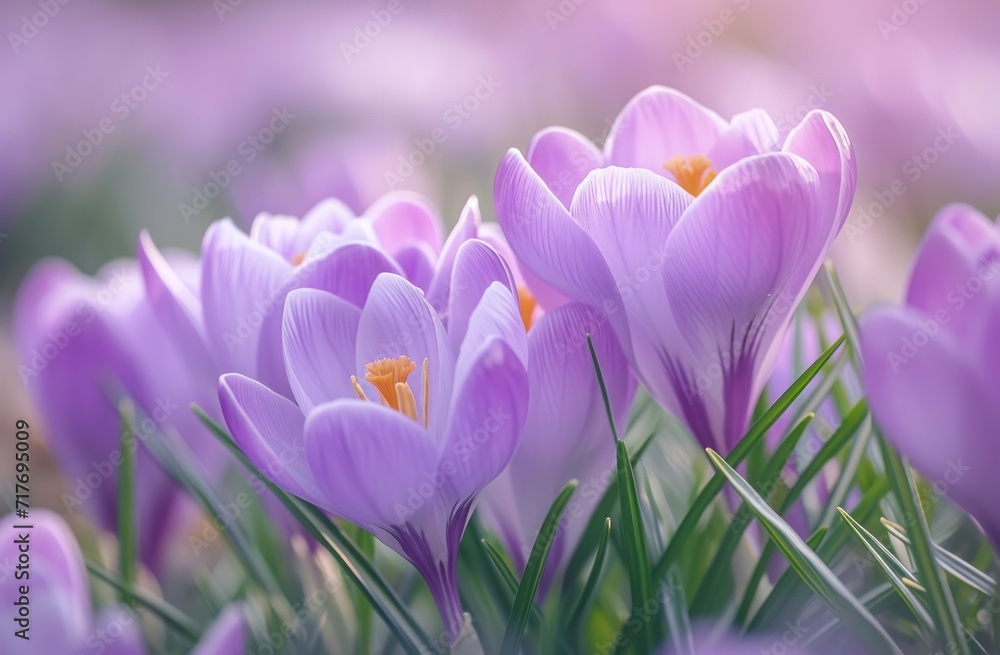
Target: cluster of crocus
(930, 366)
(56, 598)
(394, 377)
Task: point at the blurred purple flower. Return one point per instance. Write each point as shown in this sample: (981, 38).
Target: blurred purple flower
(59, 594)
(404, 459)
(84, 343)
(931, 365)
(697, 237)
(566, 434)
(61, 617)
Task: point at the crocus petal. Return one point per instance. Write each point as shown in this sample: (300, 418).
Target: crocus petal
(60, 601)
(496, 315)
(402, 219)
(750, 133)
(279, 233)
(487, 416)
(629, 213)
(122, 625)
(367, 459)
(318, 338)
(348, 272)
(820, 139)
(549, 242)
(172, 300)
(330, 215)
(477, 266)
(959, 256)
(467, 228)
(269, 430)
(417, 264)
(927, 395)
(562, 158)
(227, 636)
(727, 267)
(566, 434)
(398, 321)
(239, 277)
(658, 124)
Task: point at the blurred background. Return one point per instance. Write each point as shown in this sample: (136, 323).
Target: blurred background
(119, 116)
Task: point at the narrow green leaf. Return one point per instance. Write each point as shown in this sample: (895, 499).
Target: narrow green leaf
(526, 590)
(753, 436)
(634, 537)
(827, 452)
(409, 633)
(170, 615)
(502, 566)
(576, 615)
(127, 533)
(813, 571)
(712, 589)
(790, 589)
(891, 572)
(175, 456)
(959, 569)
(592, 534)
(942, 605)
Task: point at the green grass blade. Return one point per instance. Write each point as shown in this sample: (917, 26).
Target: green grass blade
(827, 452)
(790, 585)
(502, 566)
(526, 590)
(712, 488)
(170, 615)
(957, 567)
(809, 566)
(891, 572)
(576, 615)
(127, 533)
(942, 604)
(345, 553)
(634, 541)
(712, 588)
(592, 534)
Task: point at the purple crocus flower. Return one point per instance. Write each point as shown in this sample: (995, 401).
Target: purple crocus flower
(697, 237)
(58, 586)
(566, 434)
(228, 317)
(61, 618)
(399, 423)
(83, 343)
(931, 365)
